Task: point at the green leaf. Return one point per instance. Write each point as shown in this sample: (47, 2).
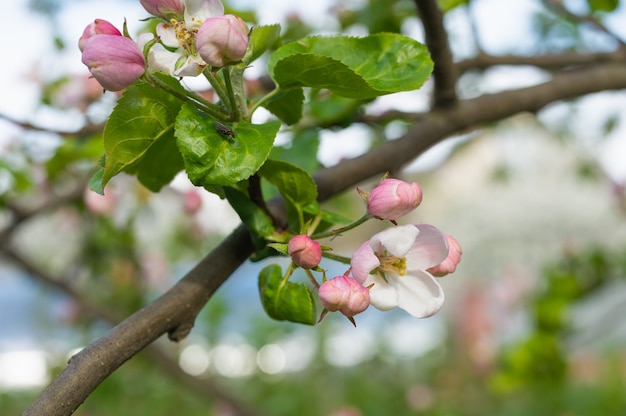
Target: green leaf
(262, 38)
(603, 5)
(160, 164)
(447, 5)
(137, 133)
(294, 184)
(284, 300)
(287, 105)
(95, 182)
(360, 68)
(212, 157)
(250, 213)
(302, 151)
(331, 109)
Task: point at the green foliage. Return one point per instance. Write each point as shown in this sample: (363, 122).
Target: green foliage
(359, 68)
(139, 135)
(603, 5)
(284, 300)
(286, 105)
(540, 358)
(294, 184)
(19, 177)
(379, 15)
(262, 39)
(304, 144)
(252, 215)
(212, 158)
(95, 182)
(447, 5)
(331, 109)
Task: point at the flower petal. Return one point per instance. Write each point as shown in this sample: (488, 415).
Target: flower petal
(430, 249)
(197, 11)
(363, 261)
(192, 66)
(167, 33)
(162, 60)
(396, 240)
(383, 296)
(420, 294)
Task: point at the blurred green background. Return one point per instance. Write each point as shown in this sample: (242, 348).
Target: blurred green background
(532, 323)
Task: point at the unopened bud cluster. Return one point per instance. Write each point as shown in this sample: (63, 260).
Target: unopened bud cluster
(194, 35)
(396, 267)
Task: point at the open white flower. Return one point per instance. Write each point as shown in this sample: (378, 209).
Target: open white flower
(395, 262)
(177, 54)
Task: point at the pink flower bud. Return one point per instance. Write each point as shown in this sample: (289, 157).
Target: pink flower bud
(449, 264)
(222, 40)
(393, 198)
(192, 201)
(167, 9)
(114, 60)
(304, 251)
(98, 27)
(344, 294)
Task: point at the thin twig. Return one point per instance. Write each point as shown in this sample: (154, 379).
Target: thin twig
(552, 62)
(557, 7)
(85, 131)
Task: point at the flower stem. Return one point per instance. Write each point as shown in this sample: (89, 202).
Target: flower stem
(204, 105)
(218, 87)
(312, 278)
(235, 84)
(338, 231)
(336, 257)
(230, 94)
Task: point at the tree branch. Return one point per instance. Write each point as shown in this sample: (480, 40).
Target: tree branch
(548, 62)
(87, 130)
(174, 312)
(444, 72)
(439, 124)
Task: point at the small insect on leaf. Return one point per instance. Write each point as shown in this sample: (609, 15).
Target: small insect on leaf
(224, 130)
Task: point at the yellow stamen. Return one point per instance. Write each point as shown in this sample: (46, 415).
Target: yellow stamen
(185, 38)
(392, 264)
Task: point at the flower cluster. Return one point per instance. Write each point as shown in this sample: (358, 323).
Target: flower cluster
(396, 267)
(192, 36)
